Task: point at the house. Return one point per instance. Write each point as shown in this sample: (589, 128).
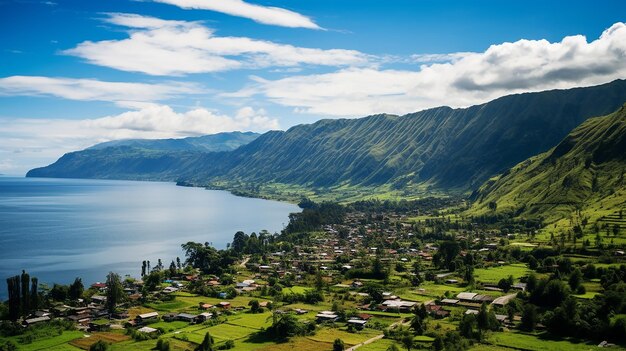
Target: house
(169, 290)
(326, 316)
(356, 284)
(170, 317)
(357, 323)
(466, 296)
(147, 330)
(36, 320)
(146, 317)
(503, 300)
(364, 316)
(205, 306)
(300, 311)
(519, 286)
(225, 305)
(437, 311)
(186, 317)
(203, 317)
(98, 299)
(451, 281)
(398, 305)
(449, 301)
(483, 298)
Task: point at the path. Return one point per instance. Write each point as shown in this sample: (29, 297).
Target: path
(243, 263)
(375, 338)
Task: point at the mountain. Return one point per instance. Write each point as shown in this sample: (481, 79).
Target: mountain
(141, 159)
(205, 143)
(440, 148)
(583, 174)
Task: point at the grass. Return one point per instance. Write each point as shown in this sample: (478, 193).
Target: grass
(300, 343)
(494, 274)
(380, 345)
(85, 342)
(330, 334)
(50, 343)
(522, 341)
(254, 321)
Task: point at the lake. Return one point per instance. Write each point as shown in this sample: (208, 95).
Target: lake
(59, 229)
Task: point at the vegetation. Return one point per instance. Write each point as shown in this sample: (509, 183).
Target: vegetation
(441, 148)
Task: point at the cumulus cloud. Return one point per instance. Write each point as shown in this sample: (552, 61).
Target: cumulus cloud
(162, 47)
(462, 79)
(91, 89)
(41, 141)
(261, 14)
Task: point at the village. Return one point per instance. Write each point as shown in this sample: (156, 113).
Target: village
(365, 283)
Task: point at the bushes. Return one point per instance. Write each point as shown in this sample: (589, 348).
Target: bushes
(100, 345)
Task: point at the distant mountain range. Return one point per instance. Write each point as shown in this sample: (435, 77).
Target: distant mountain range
(141, 159)
(437, 149)
(585, 172)
(207, 143)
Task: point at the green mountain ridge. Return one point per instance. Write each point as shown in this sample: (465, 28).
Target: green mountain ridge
(141, 159)
(206, 143)
(436, 149)
(583, 175)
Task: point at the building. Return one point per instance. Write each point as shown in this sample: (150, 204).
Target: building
(186, 317)
(326, 316)
(147, 317)
(357, 323)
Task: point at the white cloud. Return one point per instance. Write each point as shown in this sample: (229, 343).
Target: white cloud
(161, 47)
(465, 79)
(41, 141)
(91, 89)
(261, 14)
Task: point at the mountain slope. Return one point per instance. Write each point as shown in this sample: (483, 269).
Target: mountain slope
(141, 159)
(440, 148)
(584, 172)
(444, 147)
(206, 143)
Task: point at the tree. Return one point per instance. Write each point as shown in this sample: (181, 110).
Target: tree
(25, 290)
(529, 318)
(493, 205)
(100, 345)
(163, 345)
(486, 319)
(407, 340)
(115, 292)
(468, 326)
(13, 289)
(319, 281)
(144, 267)
(255, 307)
(34, 293)
(239, 243)
(207, 343)
(505, 284)
(76, 289)
(575, 279)
(393, 347)
(172, 269)
(338, 345)
(417, 322)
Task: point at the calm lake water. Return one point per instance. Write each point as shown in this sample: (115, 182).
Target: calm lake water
(58, 229)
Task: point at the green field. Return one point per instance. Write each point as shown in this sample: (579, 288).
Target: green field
(59, 342)
(522, 341)
(494, 274)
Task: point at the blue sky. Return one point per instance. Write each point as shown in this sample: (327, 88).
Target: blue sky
(74, 73)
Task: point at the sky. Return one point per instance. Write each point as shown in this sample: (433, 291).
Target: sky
(74, 73)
